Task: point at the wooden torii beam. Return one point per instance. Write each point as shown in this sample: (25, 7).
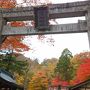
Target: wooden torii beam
(64, 10)
(81, 26)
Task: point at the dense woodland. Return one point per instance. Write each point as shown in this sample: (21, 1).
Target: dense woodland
(67, 70)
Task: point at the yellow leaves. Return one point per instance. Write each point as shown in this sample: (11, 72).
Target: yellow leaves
(77, 59)
(19, 79)
(38, 82)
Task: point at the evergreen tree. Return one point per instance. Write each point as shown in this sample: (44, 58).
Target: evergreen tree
(64, 68)
(10, 64)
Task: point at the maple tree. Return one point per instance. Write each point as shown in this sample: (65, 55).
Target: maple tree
(7, 3)
(12, 4)
(77, 59)
(39, 82)
(83, 71)
(13, 42)
(81, 65)
(57, 81)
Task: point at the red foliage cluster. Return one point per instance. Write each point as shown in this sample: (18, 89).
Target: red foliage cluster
(14, 43)
(17, 24)
(82, 74)
(7, 3)
(83, 71)
(57, 81)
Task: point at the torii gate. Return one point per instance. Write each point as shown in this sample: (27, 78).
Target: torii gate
(65, 10)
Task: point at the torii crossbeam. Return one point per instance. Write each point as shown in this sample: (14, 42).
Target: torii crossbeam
(65, 10)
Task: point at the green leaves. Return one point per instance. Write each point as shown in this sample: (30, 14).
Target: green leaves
(12, 65)
(64, 68)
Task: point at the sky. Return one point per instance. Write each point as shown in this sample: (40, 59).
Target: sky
(43, 49)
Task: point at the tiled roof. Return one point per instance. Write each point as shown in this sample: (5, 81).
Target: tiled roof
(79, 85)
(7, 78)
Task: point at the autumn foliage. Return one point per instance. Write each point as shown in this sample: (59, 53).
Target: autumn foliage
(83, 72)
(7, 3)
(19, 79)
(17, 24)
(58, 81)
(78, 58)
(39, 82)
(81, 65)
(15, 42)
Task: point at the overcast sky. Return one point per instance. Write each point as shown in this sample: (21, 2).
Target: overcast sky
(76, 43)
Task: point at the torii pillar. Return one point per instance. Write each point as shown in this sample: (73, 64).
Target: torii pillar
(2, 23)
(88, 23)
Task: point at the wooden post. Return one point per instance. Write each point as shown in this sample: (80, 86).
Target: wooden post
(88, 23)
(2, 23)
